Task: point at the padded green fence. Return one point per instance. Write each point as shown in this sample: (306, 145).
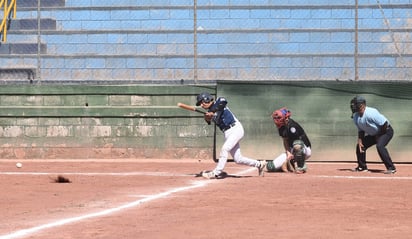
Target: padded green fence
(322, 108)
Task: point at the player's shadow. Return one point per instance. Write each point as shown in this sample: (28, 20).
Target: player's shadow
(222, 176)
(369, 170)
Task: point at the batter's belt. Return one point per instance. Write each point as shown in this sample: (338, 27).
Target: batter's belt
(228, 126)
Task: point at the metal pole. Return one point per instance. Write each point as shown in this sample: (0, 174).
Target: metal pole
(356, 42)
(195, 41)
(38, 39)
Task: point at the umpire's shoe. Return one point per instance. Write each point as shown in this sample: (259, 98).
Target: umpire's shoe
(390, 171)
(359, 169)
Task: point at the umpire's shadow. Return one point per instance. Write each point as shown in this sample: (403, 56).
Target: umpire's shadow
(369, 170)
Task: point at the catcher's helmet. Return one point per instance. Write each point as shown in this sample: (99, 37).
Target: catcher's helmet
(203, 97)
(279, 116)
(356, 102)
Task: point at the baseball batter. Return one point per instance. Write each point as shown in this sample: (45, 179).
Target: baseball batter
(295, 141)
(373, 128)
(220, 114)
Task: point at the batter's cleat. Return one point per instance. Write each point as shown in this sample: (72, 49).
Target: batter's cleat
(390, 171)
(209, 174)
(359, 169)
(261, 168)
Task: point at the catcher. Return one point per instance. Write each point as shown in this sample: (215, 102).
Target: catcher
(220, 114)
(295, 141)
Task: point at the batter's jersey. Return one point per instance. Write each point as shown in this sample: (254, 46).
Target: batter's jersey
(293, 131)
(223, 116)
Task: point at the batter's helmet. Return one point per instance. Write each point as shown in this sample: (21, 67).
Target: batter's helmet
(203, 97)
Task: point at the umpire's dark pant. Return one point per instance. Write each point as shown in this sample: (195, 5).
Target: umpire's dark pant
(381, 143)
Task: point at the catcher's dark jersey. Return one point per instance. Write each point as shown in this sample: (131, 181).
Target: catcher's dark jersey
(293, 131)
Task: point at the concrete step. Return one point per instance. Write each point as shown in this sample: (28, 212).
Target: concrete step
(43, 3)
(21, 48)
(32, 24)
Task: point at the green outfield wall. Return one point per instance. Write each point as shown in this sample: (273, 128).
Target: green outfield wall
(143, 121)
(323, 109)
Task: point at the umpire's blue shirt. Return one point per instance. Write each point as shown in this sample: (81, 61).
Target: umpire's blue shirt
(370, 121)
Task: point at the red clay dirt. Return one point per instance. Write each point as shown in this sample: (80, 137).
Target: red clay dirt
(141, 199)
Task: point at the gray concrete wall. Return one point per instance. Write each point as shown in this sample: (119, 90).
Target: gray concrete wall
(102, 121)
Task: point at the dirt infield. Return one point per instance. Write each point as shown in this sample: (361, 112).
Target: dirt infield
(164, 199)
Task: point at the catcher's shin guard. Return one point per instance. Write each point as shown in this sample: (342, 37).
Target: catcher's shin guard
(290, 164)
(299, 154)
(300, 161)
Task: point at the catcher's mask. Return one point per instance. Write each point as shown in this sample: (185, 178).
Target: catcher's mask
(356, 103)
(280, 116)
(203, 97)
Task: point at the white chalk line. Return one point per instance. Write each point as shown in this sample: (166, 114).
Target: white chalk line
(32, 230)
(388, 177)
(160, 174)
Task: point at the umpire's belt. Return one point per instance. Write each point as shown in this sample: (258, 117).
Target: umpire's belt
(229, 126)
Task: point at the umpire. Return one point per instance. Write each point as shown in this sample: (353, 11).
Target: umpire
(373, 128)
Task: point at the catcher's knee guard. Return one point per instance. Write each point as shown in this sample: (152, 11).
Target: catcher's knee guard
(299, 153)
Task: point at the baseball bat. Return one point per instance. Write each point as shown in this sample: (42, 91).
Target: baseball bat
(189, 107)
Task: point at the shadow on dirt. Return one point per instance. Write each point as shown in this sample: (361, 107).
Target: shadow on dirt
(221, 176)
(369, 170)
